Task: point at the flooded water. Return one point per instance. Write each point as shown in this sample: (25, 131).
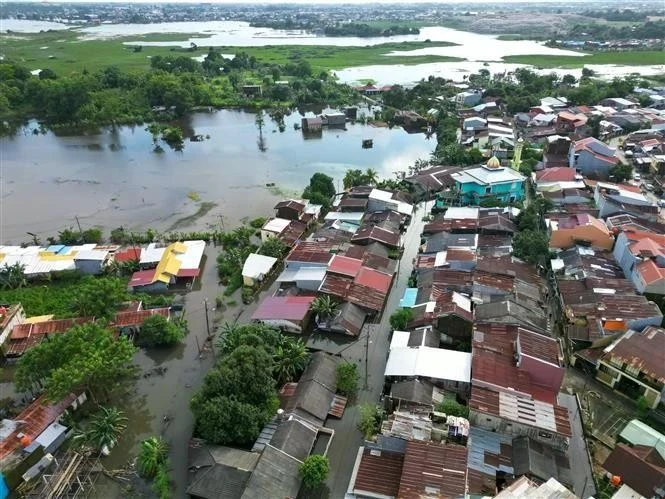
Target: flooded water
(25, 26)
(111, 176)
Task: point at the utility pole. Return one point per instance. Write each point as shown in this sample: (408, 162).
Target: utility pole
(366, 358)
(205, 303)
(79, 224)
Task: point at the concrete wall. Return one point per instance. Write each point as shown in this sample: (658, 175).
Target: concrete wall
(17, 318)
(589, 164)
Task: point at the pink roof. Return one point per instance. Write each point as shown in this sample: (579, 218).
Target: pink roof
(142, 278)
(651, 272)
(344, 265)
(290, 308)
(557, 174)
(373, 279)
(189, 272)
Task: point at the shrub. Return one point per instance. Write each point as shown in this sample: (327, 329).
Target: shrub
(157, 330)
(314, 470)
(257, 223)
(452, 408)
(347, 379)
(401, 318)
(370, 420)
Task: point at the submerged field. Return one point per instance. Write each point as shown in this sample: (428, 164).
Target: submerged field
(632, 58)
(64, 52)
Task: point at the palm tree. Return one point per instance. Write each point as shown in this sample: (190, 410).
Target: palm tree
(152, 455)
(105, 428)
(371, 176)
(324, 306)
(12, 276)
(229, 336)
(290, 358)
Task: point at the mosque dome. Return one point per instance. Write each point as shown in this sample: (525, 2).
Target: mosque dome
(493, 163)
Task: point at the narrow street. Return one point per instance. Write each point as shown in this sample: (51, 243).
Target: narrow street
(347, 437)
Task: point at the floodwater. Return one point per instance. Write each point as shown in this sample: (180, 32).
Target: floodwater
(410, 74)
(25, 26)
(111, 176)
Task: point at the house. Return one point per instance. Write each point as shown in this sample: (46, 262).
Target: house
(622, 199)
(124, 255)
(28, 334)
(540, 462)
(641, 256)
(91, 262)
(449, 369)
(178, 262)
(290, 209)
(333, 119)
(380, 200)
(635, 365)
(428, 182)
(572, 124)
(256, 268)
(290, 313)
(312, 125)
(491, 180)
(40, 260)
(592, 158)
(640, 467)
(474, 123)
(377, 471)
(554, 102)
(273, 228)
(618, 103)
(468, 98)
(580, 229)
(10, 316)
(348, 319)
(368, 234)
(525, 488)
(638, 433)
(252, 90)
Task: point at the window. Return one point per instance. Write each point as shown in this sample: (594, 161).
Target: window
(544, 434)
(488, 189)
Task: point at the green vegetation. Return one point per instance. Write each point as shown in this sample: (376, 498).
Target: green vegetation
(99, 298)
(239, 394)
(157, 330)
(237, 246)
(353, 178)
(320, 190)
(257, 223)
(368, 30)
(324, 306)
(370, 420)
(314, 470)
(153, 454)
(628, 58)
(621, 172)
(400, 318)
(274, 247)
(12, 276)
(531, 246)
(451, 407)
(347, 379)
(85, 357)
(104, 429)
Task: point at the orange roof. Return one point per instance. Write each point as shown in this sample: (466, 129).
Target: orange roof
(651, 272)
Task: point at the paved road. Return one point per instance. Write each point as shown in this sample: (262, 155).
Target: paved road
(347, 438)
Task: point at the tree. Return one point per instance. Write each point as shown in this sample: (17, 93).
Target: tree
(47, 74)
(231, 336)
(324, 306)
(396, 97)
(352, 178)
(400, 319)
(320, 183)
(105, 428)
(99, 297)
(531, 246)
(372, 176)
(274, 247)
(347, 378)
(621, 172)
(224, 420)
(290, 358)
(370, 420)
(157, 330)
(528, 219)
(12, 276)
(86, 356)
(314, 470)
(153, 454)
(451, 407)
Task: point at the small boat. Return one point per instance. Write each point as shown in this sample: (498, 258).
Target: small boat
(368, 143)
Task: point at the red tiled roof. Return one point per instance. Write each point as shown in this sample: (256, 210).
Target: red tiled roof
(379, 473)
(429, 465)
(292, 308)
(557, 174)
(124, 319)
(373, 279)
(127, 255)
(344, 265)
(35, 419)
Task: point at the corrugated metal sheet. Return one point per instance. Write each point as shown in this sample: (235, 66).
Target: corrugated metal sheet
(379, 472)
(294, 308)
(433, 469)
(338, 406)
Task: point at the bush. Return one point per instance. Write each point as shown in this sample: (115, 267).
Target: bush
(370, 420)
(452, 408)
(314, 470)
(257, 223)
(157, 330)
(401, 318)
(347, 378)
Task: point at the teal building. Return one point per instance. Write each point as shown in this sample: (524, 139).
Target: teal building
(490, 180)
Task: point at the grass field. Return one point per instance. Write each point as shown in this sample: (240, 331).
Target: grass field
(64, 52)
(633, 58)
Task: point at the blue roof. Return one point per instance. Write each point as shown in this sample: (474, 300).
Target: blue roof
(56, 248)
(409, 298)
(481, 441)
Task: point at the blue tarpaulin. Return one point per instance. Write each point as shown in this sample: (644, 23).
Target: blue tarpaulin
(409, 298)
(4, 490)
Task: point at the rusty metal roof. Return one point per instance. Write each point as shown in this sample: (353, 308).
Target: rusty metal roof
(27, 335)
(125, 319)
(337, 407)
(379, 234)
(343, 265)
(293, 232)
(312, 252)
(379, 472)
(433, 470)
(644, 351)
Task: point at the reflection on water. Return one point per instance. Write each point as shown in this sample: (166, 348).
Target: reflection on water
(112, 177)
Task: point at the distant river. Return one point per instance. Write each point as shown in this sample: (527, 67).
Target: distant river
(111, 177)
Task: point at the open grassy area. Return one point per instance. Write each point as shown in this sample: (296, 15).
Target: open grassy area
(64, 52)
(632, 58)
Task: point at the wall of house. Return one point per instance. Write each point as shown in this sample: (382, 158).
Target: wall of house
(515, 429)
(309, 285)
(589, 164)
(266, 234)
(503, 191)
(610, 376)
(90, 267)
(17, 318)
